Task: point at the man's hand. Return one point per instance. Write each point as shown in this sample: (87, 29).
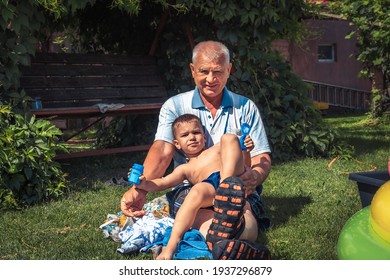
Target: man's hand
(250, 180)
(257, 173)
(132, 202)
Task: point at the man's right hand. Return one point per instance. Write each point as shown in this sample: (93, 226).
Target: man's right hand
(132, 202)
(156, 163)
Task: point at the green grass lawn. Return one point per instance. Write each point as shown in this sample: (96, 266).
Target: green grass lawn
(307, 203)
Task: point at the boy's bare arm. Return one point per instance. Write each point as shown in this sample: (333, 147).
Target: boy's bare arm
(173, 179)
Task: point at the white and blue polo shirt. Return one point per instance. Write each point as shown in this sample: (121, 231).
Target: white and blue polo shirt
(235, 110)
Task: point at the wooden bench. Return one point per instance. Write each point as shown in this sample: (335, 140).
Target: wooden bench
(93, 86)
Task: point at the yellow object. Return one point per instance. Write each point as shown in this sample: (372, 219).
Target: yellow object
(380, 212)
(122, 220)
(321, 105)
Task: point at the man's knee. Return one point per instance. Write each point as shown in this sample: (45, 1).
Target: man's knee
(251, 228)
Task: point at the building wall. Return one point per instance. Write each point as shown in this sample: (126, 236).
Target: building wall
(344, 71)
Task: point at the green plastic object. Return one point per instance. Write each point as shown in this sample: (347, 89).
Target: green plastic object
(358, 241)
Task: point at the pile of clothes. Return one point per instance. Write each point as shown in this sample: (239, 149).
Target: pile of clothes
(151, 232)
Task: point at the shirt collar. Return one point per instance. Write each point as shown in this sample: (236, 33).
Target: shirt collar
(198, 103)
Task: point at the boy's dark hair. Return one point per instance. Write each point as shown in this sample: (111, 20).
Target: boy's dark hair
(184, 119)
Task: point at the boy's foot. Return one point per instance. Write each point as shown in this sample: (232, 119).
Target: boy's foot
(234, 249)
(165, 254)
(228, 221)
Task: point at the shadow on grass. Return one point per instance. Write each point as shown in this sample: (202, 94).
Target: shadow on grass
(365, 146)
(281, 209)
(366, 141)
(90, 173)
(357, 131)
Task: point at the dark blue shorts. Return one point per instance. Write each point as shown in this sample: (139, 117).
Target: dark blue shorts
(176, 198)
(213, 179)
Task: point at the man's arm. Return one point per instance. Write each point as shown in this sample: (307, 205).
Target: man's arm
(156, 163)
(256, 175)
(158, 159)
(261, 164)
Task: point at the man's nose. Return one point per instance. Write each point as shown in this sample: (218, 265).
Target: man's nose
(210, 76)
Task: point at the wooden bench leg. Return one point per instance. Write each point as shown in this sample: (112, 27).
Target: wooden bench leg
(107, 151)
(83, 129)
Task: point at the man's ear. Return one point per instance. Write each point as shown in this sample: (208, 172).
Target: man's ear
(192, 67)
(177, 145)
(230, 68)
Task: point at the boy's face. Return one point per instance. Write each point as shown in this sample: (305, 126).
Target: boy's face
(190, 137)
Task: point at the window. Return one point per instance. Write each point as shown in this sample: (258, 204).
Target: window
(327, 53)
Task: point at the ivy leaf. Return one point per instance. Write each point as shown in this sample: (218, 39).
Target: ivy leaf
(7, 14)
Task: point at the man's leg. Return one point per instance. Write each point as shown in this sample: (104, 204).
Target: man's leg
(244, 247)
(205, 216)
(228, 228)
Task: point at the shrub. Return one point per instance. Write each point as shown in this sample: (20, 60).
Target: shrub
(127, 131)
(27, 145)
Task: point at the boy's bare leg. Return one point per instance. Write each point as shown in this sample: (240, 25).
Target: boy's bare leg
(200, 195)
(232, 160)
(232, 164)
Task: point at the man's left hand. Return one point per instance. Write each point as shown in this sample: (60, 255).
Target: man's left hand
(250, 180)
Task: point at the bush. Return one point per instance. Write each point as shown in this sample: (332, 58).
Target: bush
(27, 145)
(127, 131)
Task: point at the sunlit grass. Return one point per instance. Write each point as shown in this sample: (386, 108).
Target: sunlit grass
(307, 201)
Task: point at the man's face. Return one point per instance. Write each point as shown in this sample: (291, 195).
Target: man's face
(210, 76)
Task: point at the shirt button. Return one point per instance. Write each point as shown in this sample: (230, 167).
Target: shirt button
(209, 117)
(211, 124)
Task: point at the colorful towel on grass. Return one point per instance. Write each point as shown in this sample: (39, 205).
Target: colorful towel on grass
(192, 246)
(143, 232)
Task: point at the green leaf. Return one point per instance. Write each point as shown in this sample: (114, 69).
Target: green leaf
(378, 61)
(7, 14)
(28, 172)
(20, 49)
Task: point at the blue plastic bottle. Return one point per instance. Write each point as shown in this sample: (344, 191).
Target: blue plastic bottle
(245, 128)
(37, 103)
(136, 171)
